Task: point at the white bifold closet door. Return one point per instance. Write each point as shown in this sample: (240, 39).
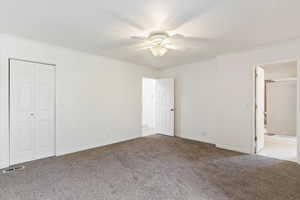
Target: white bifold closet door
(164, 106)
(32, 111)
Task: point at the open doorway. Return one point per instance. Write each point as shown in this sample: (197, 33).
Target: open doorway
(158, 107)
(276, 110)
(148, 122)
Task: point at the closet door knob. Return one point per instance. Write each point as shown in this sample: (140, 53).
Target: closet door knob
(31, 114)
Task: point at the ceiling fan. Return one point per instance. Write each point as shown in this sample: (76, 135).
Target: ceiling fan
(160, 42)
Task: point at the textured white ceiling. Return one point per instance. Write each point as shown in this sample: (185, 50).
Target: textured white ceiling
(104, 27)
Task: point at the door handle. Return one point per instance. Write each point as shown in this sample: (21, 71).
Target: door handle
(172, 110)
(32, 114)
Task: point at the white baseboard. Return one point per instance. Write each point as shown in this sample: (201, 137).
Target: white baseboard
(240, 149)
(197, 139)
(148, 132)
(79, 149)
(85, 148)
(3, 166)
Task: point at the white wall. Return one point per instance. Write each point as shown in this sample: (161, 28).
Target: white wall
(95, 95)
(214, 99)
(148, 106)
(195, 100)
(236, 93)
(281, 107)
(228, 102)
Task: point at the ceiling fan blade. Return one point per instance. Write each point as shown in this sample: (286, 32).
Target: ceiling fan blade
(192, 39)
(142, 46)
(175, 47)
(195, 42)
(177, 36)
(138, 38)
(145, 47)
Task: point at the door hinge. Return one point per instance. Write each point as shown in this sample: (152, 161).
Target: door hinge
(255, 138)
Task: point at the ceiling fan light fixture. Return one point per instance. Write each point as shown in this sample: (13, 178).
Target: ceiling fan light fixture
(158, 50)
(159, 42)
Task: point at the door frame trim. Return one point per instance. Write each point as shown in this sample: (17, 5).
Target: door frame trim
(30, 61)
(9, 102)
(255, 108)
(297, 60)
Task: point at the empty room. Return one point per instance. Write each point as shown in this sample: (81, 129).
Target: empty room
(149, 100)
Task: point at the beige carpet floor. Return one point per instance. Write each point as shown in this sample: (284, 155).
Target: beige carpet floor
(154, 168)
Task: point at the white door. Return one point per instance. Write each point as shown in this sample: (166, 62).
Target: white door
(32, 112)
(45, 111)
(260, 108)
(22, 108)
(164, 107)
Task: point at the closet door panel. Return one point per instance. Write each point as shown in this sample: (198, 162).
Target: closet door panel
(45, 111)
(32, 111)
(22, 108)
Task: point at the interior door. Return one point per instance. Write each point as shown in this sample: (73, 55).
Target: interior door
(260, 109)
(22, 108)
(164, 106)
(32, 111)
(45, 111)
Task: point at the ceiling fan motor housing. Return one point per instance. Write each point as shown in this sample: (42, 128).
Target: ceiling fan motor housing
(158, 38)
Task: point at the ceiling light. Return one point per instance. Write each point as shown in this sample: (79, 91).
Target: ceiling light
(158, 50)
(159, 43)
